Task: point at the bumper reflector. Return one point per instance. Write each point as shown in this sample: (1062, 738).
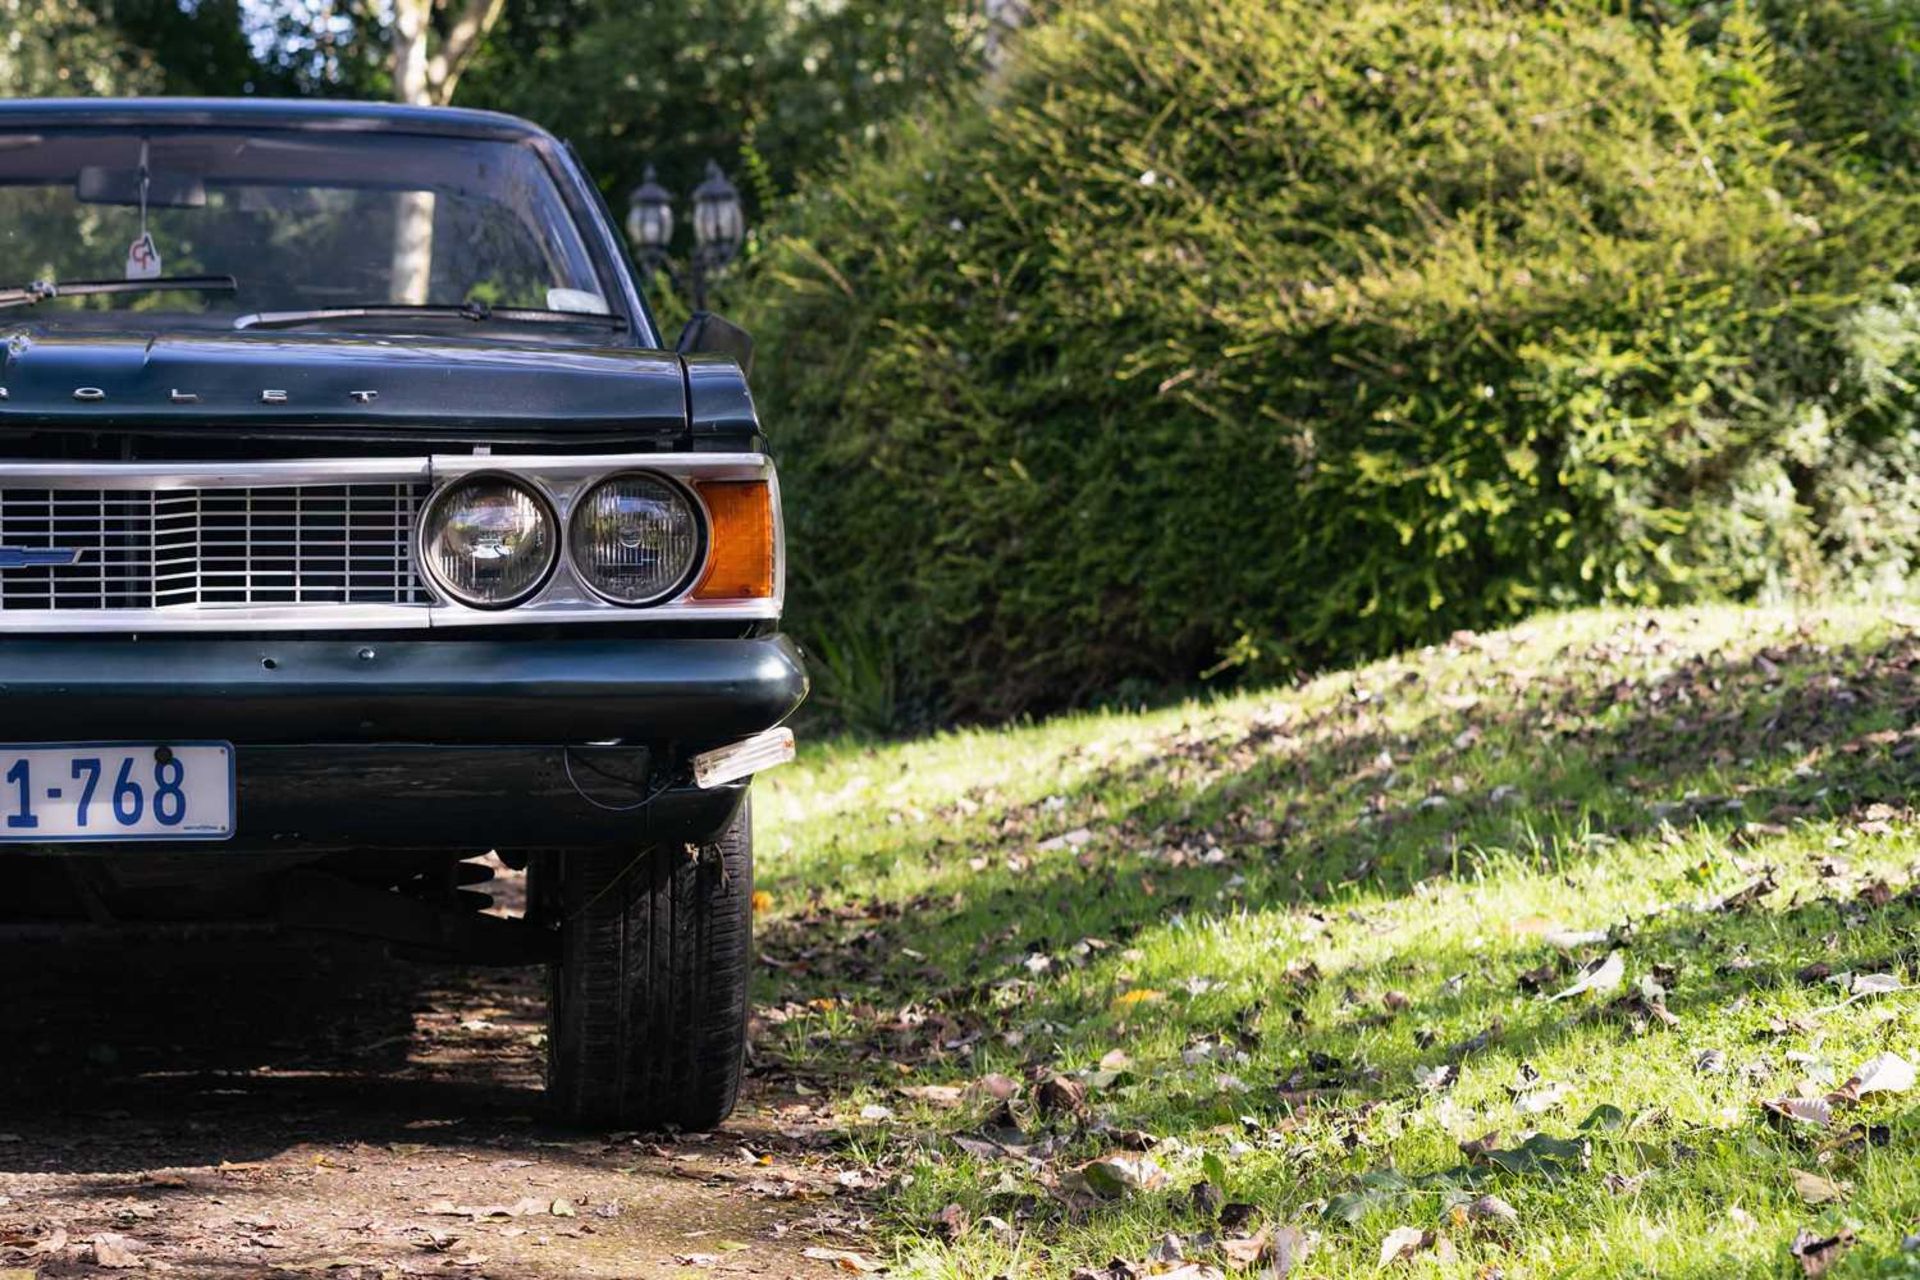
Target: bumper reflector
(742, 759)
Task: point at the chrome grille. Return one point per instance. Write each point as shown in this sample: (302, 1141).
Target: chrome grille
(173, 547)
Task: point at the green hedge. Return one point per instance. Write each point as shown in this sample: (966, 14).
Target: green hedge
(1245, 334)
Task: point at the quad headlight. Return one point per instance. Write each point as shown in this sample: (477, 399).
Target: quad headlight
(589, 539)
(635, 538)
(489, 541)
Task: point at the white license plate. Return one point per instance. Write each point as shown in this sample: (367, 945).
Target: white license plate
(63, 792)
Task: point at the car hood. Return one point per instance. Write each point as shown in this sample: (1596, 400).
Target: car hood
(262, 380)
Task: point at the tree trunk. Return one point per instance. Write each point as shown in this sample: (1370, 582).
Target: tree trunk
(413, 210)
(423, 78)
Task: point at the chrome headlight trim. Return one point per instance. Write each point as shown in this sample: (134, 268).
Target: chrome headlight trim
(703, 535)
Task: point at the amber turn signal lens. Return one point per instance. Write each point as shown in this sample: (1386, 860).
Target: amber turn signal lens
(741, 565)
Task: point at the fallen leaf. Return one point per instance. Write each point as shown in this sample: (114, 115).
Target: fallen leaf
(996, 1086)
(1606, 975)
(1750, 894)
(1787, 1112)
(1493, 1209)
(845, 1259)
(1247, 1251)
(1287, 1248)
(563, 1209)
(1403, 1244)
(1139, 995)
(117, 1252)
(1817, 1254)
(1113, 1176)
(1540, 1099)
(1886, 1073)
(951, 1222)
(1814, 1189)
(1171, 1249)
(1059, 1095)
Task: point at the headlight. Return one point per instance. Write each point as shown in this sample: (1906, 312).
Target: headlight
(635, 538)
(489, 542)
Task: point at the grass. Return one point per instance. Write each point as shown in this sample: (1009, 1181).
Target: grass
(1252, 931)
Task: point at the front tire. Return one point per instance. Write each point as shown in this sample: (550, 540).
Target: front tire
(647, 1016)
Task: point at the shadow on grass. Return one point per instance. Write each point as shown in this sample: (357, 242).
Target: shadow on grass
(1342, 813)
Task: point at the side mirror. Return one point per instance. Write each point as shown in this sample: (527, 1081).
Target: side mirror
(709, 334)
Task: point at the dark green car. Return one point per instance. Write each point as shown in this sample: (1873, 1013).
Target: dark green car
(355, 523)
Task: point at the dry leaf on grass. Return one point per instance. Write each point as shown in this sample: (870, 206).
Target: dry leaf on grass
(1248, 1251)
(1606, 975)
(1116, 1175)
(1490, 1209)
(1403, 1244)
(951, 1222)
(1817, 1254)
(1814, 1189)
(1139, 995)
(845, 1259)
(1061, 1096)
(1785, 1113)
(1886, 1073)
(1288, 1248)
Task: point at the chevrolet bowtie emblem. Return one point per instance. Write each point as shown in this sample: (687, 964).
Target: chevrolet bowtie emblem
(37, 557)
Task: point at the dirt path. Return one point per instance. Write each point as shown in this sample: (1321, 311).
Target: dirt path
(257, 1107)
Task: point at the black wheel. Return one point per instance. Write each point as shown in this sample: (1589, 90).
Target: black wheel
(647, 1017)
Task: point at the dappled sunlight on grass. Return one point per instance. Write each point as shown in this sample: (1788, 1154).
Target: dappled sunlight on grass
(1313, 933)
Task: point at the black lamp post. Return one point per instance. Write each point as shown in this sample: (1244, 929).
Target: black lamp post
(719, 228)
(650, 221)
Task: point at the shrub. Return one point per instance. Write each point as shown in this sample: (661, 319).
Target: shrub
(1253, 333)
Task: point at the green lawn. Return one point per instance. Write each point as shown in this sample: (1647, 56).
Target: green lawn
(1302, 943)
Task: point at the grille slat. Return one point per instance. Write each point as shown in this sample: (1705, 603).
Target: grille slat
(165, 548)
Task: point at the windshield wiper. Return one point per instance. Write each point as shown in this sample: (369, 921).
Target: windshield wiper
(28, 295)
(474, 312)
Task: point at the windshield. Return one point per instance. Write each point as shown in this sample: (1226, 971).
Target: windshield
(299, 221)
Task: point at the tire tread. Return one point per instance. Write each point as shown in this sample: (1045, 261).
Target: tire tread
(649, 998)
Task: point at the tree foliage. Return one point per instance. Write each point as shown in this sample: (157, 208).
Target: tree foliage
(1260, 332)
(767, 87)
(62, 47)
